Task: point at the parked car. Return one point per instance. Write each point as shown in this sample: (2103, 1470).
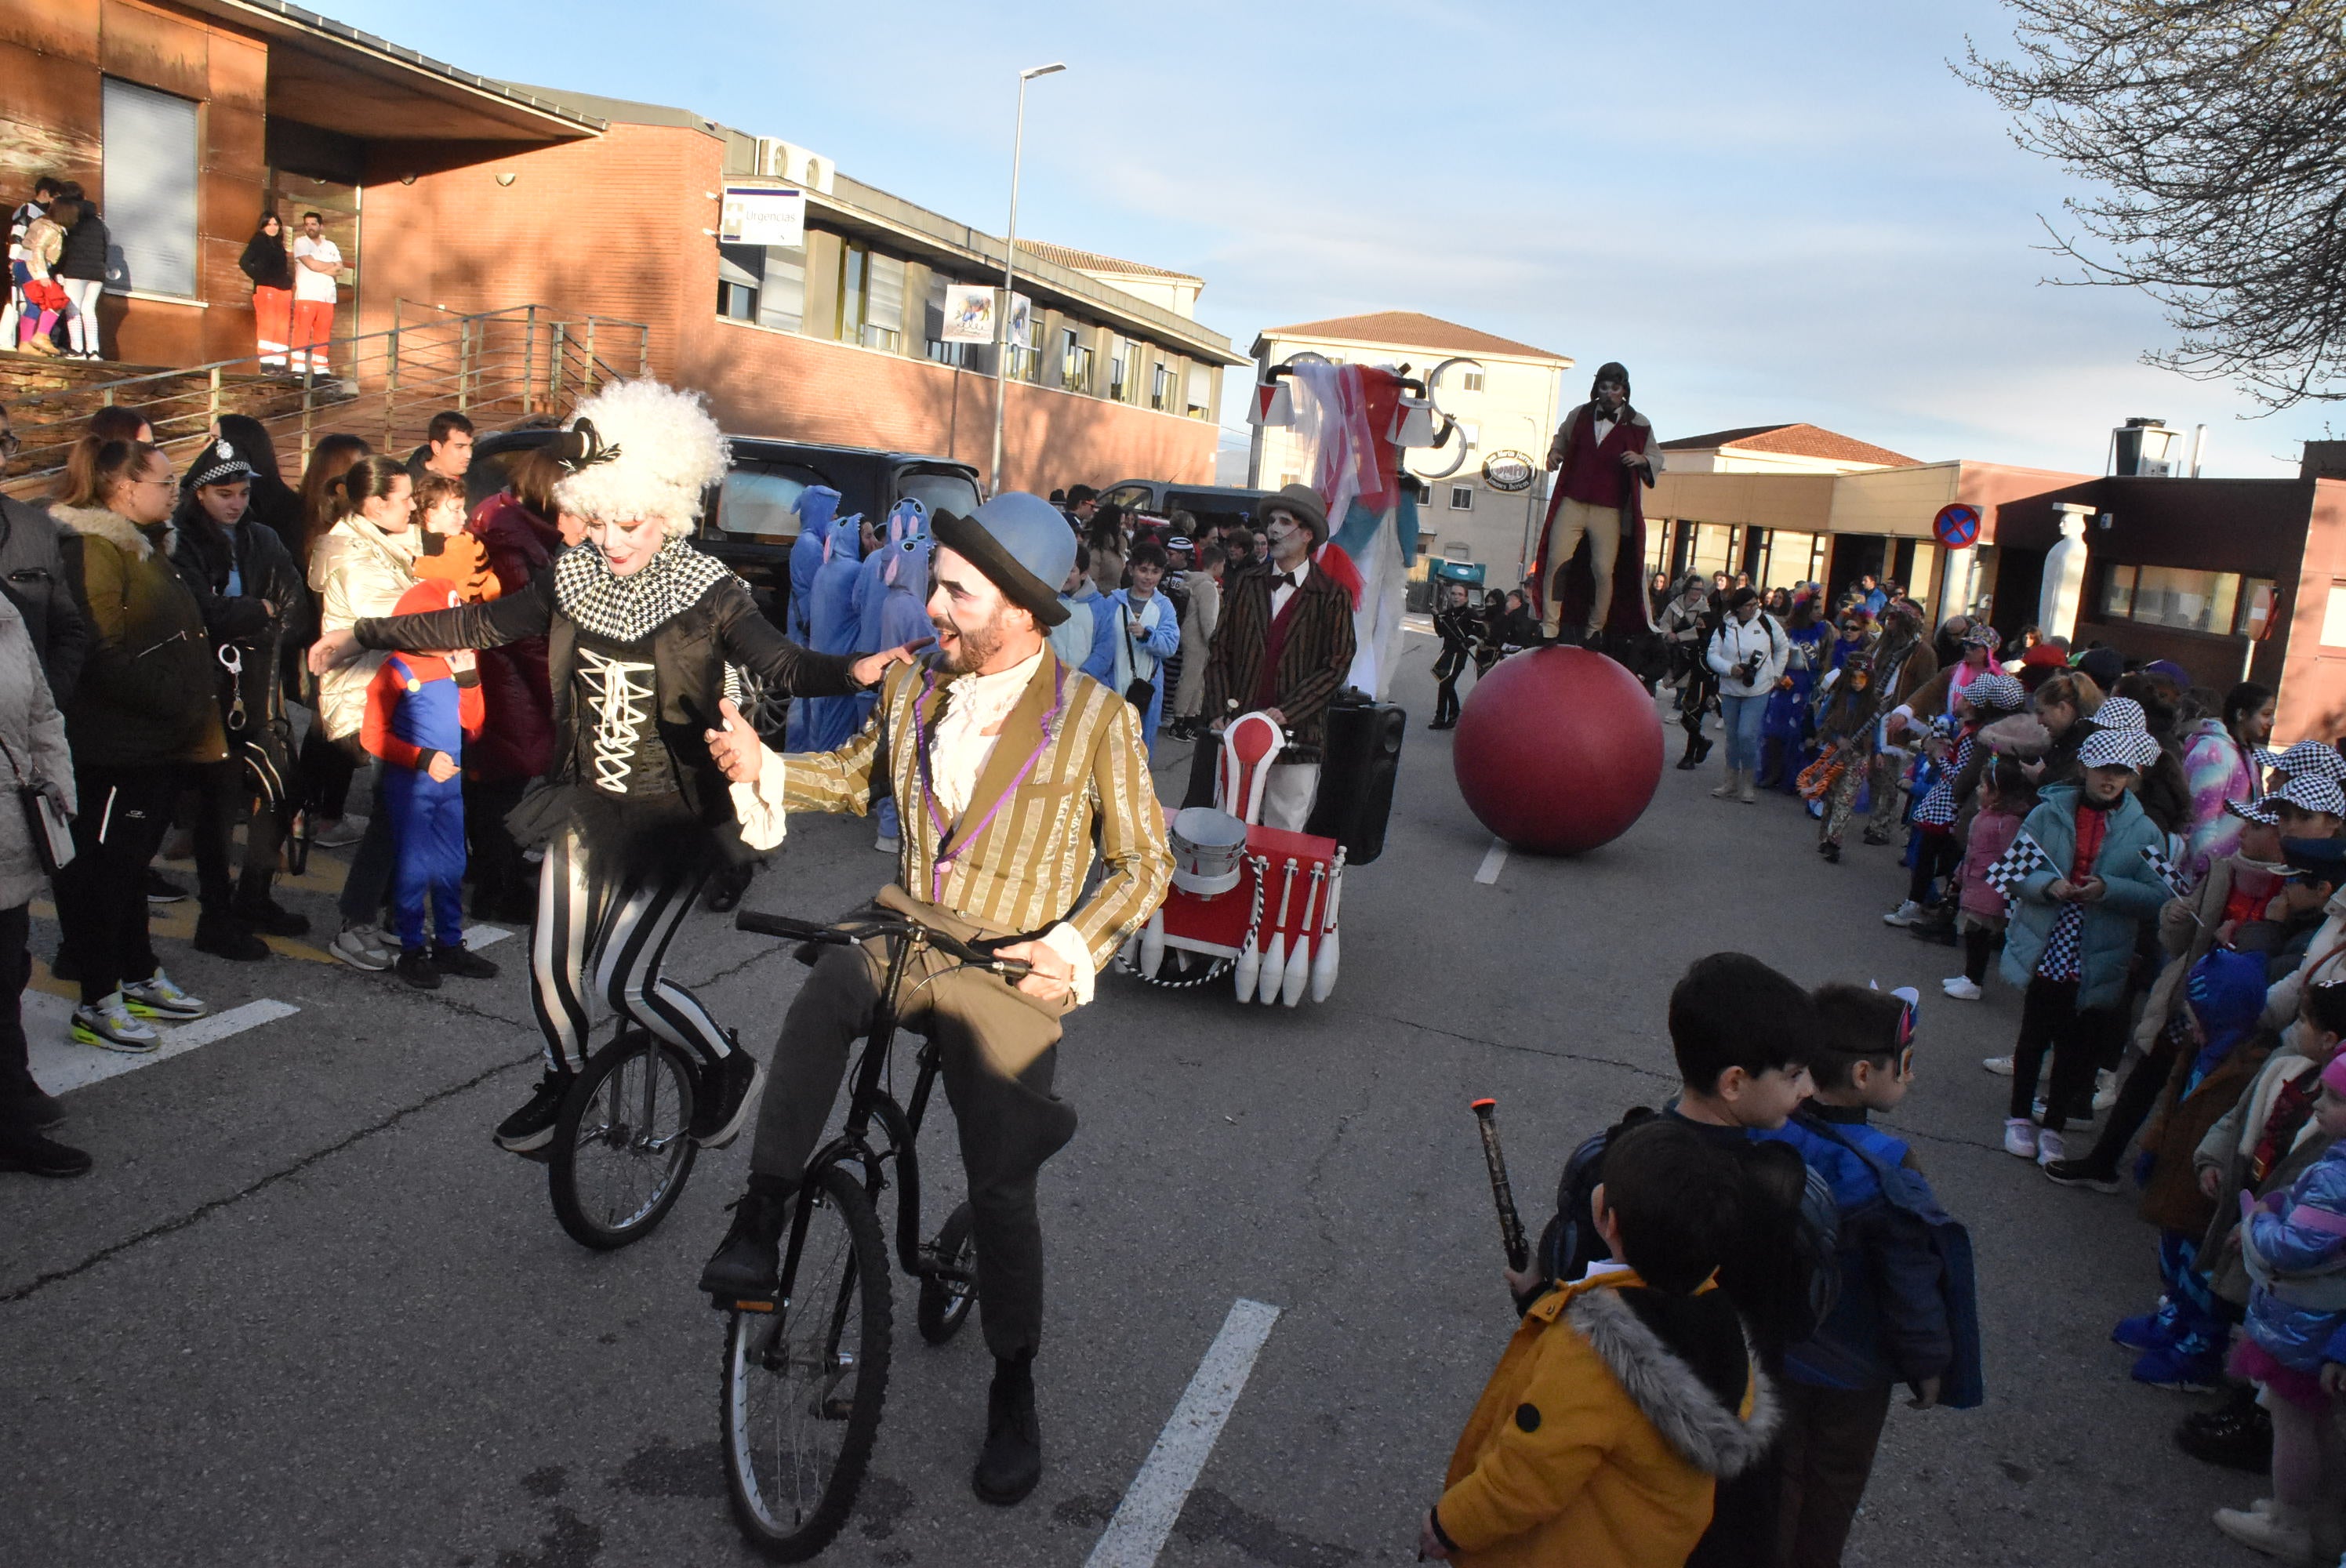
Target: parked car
(1213, 505)
(751, 520)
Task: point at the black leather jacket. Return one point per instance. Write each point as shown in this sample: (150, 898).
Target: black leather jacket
(690, 652)
(32, 574)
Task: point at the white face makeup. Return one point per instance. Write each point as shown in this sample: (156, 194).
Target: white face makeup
(628, 547)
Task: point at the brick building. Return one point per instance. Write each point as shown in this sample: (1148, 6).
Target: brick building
(183, 117)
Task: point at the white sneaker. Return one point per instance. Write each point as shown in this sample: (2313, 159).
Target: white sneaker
(107, 1024)
(2049, 1148)
(1964, 987)
(1999, 1065)
(2276, 1531)
(361, 946)
(341, 834)
(158, 996)
(2020, 1137)
(1907, 913)
(888, 843)
(2106, 1091)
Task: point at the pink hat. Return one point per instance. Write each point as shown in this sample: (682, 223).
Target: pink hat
(2334, 1076)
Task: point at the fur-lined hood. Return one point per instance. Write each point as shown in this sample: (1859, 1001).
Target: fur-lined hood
(98, 523)
(1713, 1436)
(2021, 735)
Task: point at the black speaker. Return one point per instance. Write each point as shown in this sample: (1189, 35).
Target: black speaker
(1358, 761)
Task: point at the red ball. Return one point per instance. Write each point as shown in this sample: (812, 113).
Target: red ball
(1559, 750)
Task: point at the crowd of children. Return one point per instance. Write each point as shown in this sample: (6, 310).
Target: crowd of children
(2161, 887)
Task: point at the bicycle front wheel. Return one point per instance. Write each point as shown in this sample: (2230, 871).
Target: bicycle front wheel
(621, 1150)
(804, 1383)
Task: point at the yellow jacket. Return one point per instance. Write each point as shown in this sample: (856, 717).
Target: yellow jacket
(1600, 1439)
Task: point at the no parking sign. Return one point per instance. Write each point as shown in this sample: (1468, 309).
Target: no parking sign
(1956, 526)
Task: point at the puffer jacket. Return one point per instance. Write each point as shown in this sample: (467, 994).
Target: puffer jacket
(148, 692)
(357, 570)
(518, 742)
(33, 577)
(2295, 1250)
(1737, 641)
(2106, 945)
(1600, 1439)
(32, 737)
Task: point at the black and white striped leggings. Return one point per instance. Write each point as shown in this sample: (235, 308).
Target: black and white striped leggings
(591, 914)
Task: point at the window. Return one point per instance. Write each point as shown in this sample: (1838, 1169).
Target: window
(1462, 498)
(934, 328)
(1075, 361)
(781, 293)
(1473, 432)
(1456, 549)
(1201, 391)
(2173, 598)
(760, 501)
(739, 269)
(1160, 387)
(1121, 368)
(883, 302)
(151, 189)
(939, 490)
(1473, 379)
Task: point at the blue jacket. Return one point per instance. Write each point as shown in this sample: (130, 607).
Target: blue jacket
(817, 504)
(2105, 946)
(2297, 1258)
(1889, 1324)
(1101, 664)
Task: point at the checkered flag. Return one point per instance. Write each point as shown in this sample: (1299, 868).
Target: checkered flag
(2164, 869)
(2013, 867)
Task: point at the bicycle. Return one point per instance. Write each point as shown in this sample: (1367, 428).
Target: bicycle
(622, 1148)
(806, 1372)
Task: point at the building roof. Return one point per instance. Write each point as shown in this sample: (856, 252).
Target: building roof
(1793, 441)
(1093, 261)
(1410, 329)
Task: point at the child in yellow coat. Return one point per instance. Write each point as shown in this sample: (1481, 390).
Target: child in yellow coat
(1625, 1396)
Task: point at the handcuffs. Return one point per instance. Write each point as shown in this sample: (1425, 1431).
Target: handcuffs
(231, 659)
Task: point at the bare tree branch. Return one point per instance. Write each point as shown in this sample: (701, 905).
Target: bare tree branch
(2215, 130)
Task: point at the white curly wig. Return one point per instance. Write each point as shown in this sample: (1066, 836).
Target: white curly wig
(668, 451)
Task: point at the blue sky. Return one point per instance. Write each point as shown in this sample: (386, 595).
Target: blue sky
(1769, 212)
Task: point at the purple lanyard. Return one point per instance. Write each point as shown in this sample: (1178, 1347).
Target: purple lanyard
(945, 858)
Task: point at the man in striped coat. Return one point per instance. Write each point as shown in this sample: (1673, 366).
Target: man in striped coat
(1005, 763)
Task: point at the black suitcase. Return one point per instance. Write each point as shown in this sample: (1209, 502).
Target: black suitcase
(1358, 761)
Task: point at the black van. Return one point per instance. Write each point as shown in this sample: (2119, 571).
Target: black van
(751, 520)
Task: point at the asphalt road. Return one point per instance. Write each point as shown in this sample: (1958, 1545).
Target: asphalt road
(305, 1313)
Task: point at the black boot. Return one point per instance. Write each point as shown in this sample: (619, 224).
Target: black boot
(2237, 1435)
(1701, 747)
(746, 1264)
(1012, 1460)
(1693, 755)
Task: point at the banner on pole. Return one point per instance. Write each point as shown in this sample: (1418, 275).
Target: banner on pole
(969, 313)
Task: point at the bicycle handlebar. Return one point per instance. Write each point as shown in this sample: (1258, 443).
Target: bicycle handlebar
(848, 932)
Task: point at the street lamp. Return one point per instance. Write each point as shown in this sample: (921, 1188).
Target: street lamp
(1010, 275)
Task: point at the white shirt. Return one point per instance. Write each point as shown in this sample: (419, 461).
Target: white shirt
(308, 282)
(1280, 593)
(975, 707)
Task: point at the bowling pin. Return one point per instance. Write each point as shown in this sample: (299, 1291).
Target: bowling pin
(1324, 959)
(1299, 957)
(1274, 958)
(1152, 944)
(1248, 970)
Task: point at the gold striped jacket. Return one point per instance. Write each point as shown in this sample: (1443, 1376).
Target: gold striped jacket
(1024, 871)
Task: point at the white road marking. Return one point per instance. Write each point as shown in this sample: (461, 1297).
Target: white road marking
(1144, 1519)
(60, 1066)
(1493, 860)
(477, 937)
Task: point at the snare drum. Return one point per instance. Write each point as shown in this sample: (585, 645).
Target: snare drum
(1208, 851)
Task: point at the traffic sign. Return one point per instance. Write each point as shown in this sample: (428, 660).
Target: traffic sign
(1956, 526)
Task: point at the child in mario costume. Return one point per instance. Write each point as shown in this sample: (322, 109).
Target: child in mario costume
(420, 709)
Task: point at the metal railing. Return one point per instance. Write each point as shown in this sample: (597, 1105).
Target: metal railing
(495, 366)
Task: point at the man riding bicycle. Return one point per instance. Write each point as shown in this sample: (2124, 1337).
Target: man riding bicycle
(1003, 763)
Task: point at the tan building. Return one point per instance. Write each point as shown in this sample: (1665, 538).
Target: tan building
(1508, 400)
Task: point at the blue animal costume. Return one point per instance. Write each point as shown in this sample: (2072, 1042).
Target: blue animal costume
(904, 616)
(830, 721)
(817, 503)
(417, 708)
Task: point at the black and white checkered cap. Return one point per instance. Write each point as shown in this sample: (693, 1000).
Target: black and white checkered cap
(2118, 713)
(219, 463)
(1997, 690)
(2254, 811)
(2118, 748)
(2313, 792)
(2313, 759)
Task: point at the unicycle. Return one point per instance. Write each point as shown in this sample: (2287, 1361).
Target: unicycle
(622, 1148)
(806, 1372)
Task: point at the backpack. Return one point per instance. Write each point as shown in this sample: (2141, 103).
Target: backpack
(1788, 1305)
(1964, 1385)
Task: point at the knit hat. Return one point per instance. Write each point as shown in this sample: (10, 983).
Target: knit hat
(1996, 689)
(2118, 713)
(2118, 748)
(2103, 665)
(2313, 758)
(638, 451)
(2312, 792)
(218, 463)
(2323, 859)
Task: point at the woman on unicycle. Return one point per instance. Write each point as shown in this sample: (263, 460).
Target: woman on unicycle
(642, 635)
